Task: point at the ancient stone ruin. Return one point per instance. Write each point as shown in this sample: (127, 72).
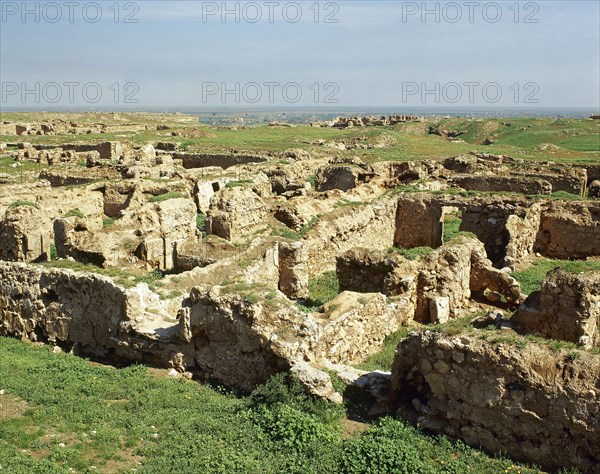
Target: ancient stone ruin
(205, 262)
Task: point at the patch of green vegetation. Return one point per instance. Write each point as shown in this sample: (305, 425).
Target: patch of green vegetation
(451, 227)
(120, 276)
(245, 263)
(252, 298)
(173, 294)
(321, 290)
(20, 203)
(201, 221)
(166, 197)
(130, 245)
(454, 326)
(151, 278)
(459, 326)
(288, 233)
(311, 180)
(348, 203)
(412, 254)
(382, 360)
(531, 279)
(309, 225)
(75, 213)
(558, 196)
(107, 222)
(53, 252)
(238, 183)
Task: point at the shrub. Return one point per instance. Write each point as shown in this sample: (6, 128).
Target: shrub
(252, 298)
(283, 389)
(53, 252)
(388, 447)
(150, 278)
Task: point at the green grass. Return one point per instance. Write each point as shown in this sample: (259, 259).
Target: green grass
(451, 227)
(577, 138)
(382, 360)
(238, 183)
(558, 196)
(107, 222)
(321, 290)
(348, 203)
(92, 418)
(412, 254)
(532, 278)
(201, 223)
(120, 276)
(463, 325)
(287, 233)
(22, 203)
(75, 213)
(166, 197)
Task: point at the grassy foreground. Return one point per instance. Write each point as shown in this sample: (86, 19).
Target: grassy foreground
(63, 414)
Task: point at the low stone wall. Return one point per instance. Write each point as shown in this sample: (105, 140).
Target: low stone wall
(107, 150)
(567, 308)
(593, 172)
(60, 306)
(75, 176)
(531, 403)
(345, 228)
(242, 338)
(487, 219)
(569, 230)
(574, 183)
(516, 184)
(222, 161)
(88, 313)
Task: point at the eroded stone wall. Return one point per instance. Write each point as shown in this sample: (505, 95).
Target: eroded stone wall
(419, 222)
(567, 308)
(531, 403)
(569, 230)
(370, 226)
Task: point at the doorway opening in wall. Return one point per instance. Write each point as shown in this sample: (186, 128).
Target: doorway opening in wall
(452, 220)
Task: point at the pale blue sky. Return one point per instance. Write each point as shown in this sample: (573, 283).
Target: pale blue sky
(369, 53)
